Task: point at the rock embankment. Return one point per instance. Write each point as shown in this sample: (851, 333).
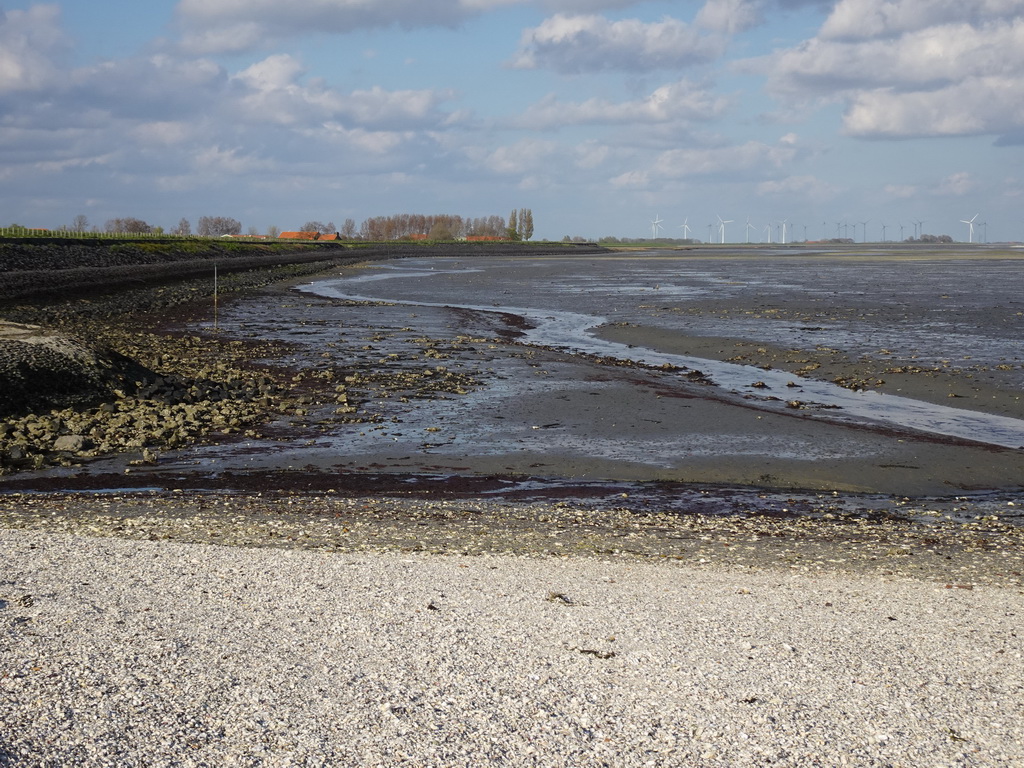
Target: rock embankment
(42, 370)
(129, 389)
(65, 401)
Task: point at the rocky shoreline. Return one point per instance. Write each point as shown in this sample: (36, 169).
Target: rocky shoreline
(126, 389)
(135, 387)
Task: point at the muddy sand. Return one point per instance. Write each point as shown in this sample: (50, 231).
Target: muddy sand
(434, 393)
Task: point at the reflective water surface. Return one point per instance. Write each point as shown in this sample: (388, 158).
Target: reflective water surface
(926, 311)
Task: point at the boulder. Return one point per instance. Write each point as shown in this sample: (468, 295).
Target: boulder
(69, 443)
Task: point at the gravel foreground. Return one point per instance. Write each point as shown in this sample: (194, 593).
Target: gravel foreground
(119, 652)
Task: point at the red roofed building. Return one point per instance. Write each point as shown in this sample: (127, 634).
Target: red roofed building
(299, 235)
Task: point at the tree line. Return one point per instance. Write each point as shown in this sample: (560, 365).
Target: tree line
(519, 226)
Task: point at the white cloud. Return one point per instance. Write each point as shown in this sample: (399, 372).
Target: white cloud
(59, 166)
(922, 59)
(589, 43)
(29, 41)
(591, 154)
(809, 188)
(162, 133)
(272, 73)
(272, 93)
(729, 16)
(232, 161)
(214, 26)
(632, 180)
(901, 191)
(753, 158)
(988, 105)
(956, 185)
(158, 87)
(670, 103)
(381, 143)
(908, 68)
(520, 158)
(380, 107)
(866, 19)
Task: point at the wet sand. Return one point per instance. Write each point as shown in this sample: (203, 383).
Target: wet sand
(513, 411)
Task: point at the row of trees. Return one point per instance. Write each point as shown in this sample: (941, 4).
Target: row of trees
(520, 224)
(208, 226)
(434, 227)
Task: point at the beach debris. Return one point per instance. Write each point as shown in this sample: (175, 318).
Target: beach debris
(597, 654)
(559, 597)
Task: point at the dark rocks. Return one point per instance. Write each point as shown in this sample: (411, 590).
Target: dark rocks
(42, 370)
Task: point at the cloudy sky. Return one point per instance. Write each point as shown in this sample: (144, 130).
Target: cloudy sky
(599, 115)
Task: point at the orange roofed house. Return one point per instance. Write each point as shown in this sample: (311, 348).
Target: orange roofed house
(300, 236)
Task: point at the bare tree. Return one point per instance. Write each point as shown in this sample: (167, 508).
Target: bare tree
(184, 228)
(273, 231)
(319, 226)
(128, 226)
(440, 231)
(348, 229)
(217, 226)
(80, 223)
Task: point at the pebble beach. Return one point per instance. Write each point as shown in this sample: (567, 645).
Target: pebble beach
(323, 631)
(129, 653)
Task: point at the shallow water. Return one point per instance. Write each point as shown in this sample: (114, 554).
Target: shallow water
(923, 311)
(545, 425)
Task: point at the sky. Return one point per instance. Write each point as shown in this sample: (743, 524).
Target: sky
(598, 115)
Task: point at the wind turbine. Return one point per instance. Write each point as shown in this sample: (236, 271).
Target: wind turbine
(883, 232)
(721, 226)
(864, 233)
(685, 226)
(749, 225)
(784, 223)
(655, 226)
(901, 233)
(970, 223)
(919, 229)
(768, 229)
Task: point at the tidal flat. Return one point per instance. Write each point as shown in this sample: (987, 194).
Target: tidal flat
(889, 373)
